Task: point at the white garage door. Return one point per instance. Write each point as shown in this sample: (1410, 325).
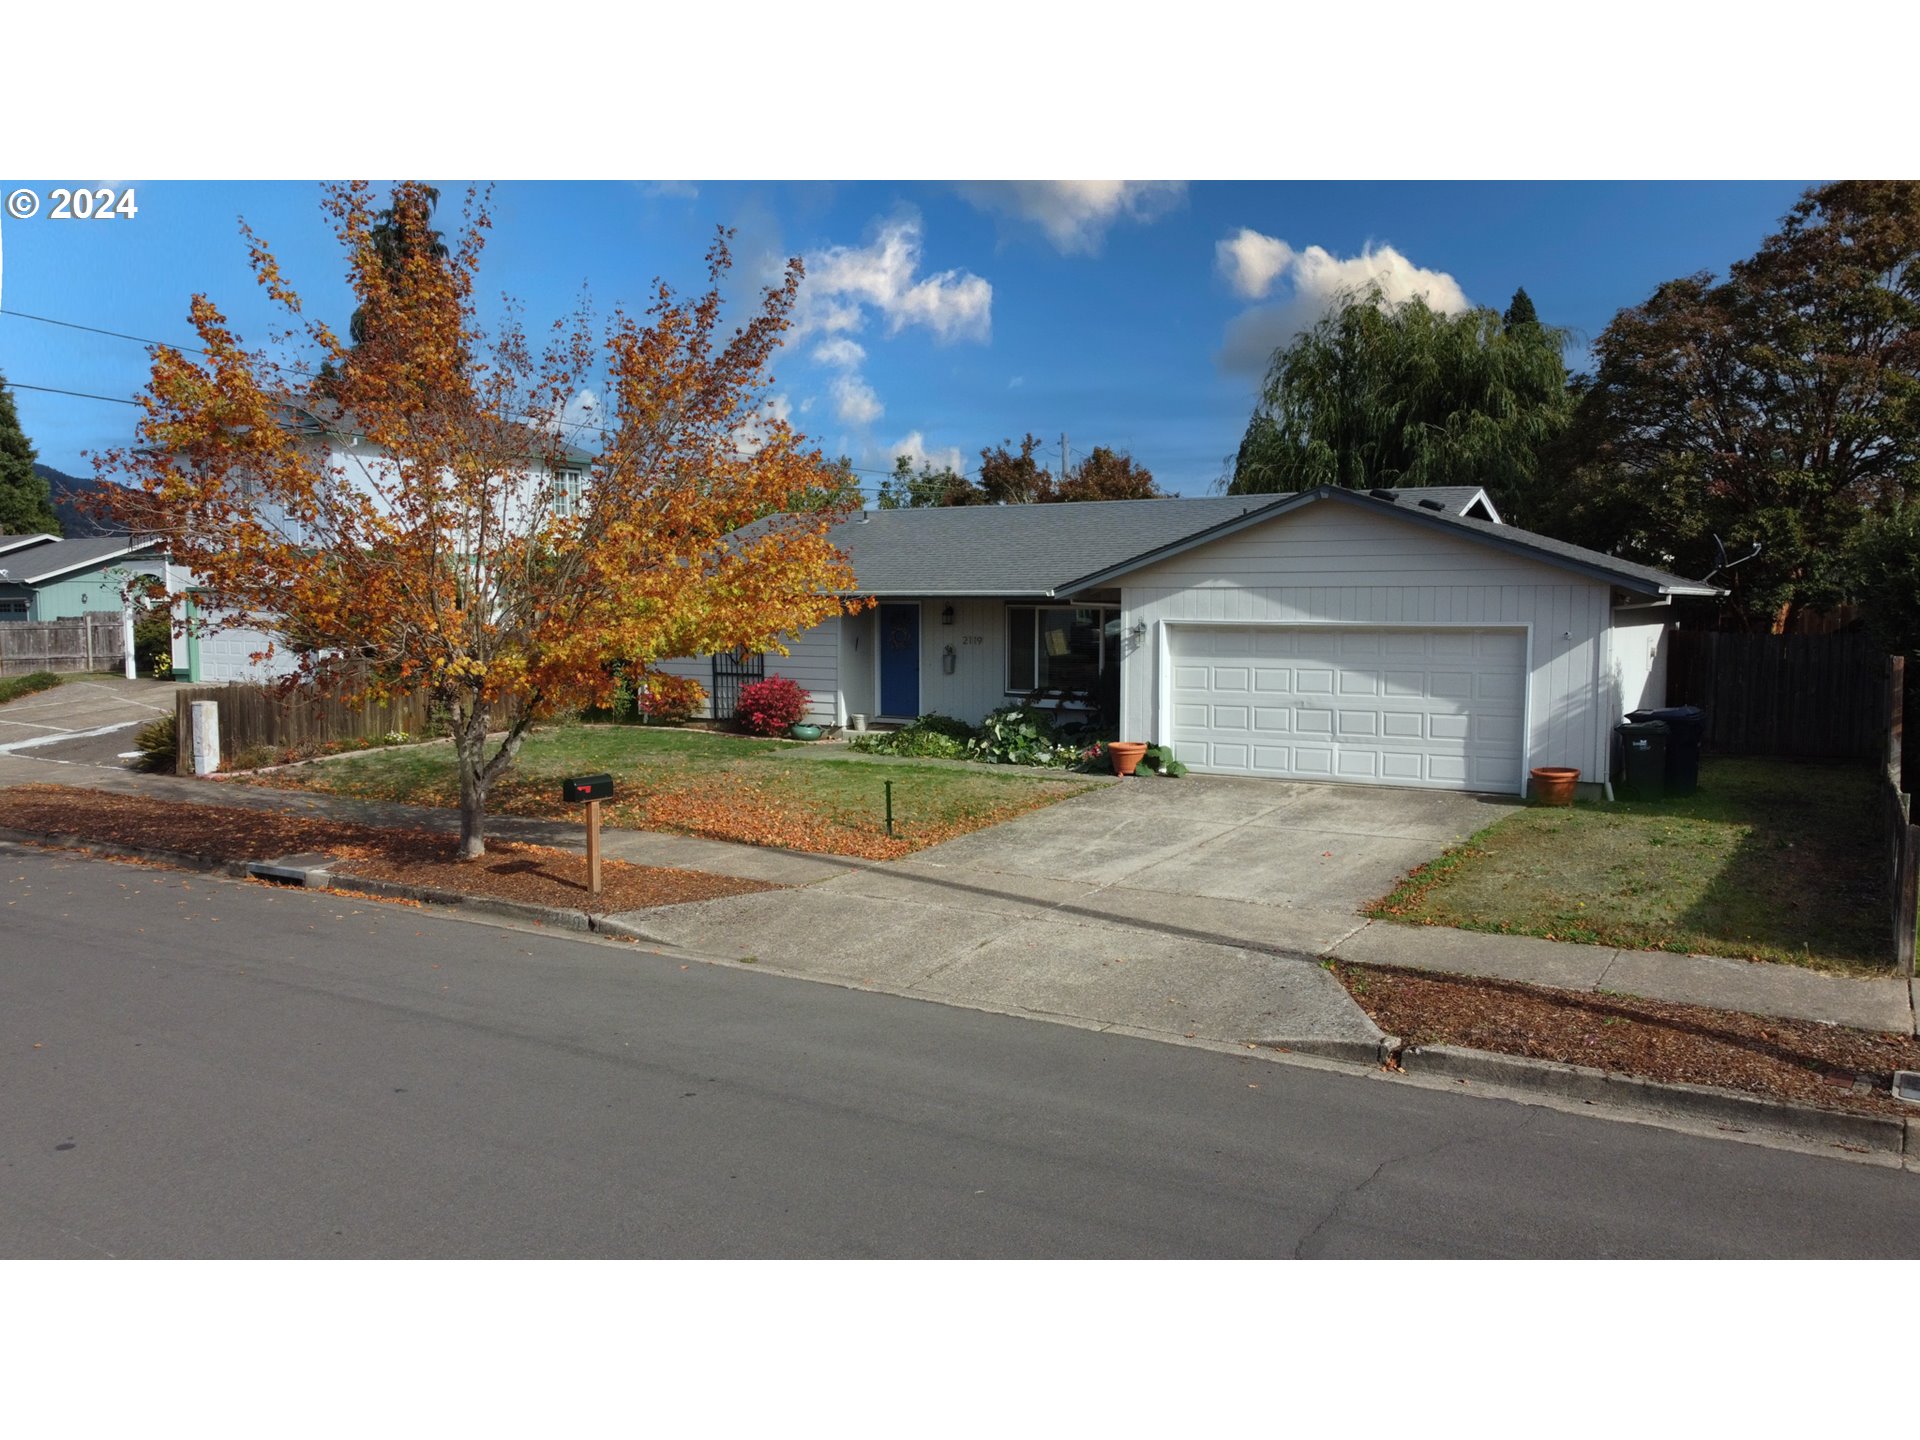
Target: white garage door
(1443, 709)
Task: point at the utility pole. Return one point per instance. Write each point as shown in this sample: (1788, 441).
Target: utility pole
(1063, 457)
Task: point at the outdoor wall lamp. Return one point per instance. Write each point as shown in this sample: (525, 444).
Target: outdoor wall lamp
(1139, 632)
(946, 616)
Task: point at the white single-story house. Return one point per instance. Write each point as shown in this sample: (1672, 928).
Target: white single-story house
(1392, 637)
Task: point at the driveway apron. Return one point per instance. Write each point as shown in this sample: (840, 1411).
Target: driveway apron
(1196, 907)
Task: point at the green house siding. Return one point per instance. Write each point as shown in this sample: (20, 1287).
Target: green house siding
(87, 591)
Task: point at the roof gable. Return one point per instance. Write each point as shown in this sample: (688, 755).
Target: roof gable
(1411, 505)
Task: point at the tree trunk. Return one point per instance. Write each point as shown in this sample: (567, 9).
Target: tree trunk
(470, 746)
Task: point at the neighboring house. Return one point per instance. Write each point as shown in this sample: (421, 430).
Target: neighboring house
(210, 653)
(1386, 637)
(43, 577)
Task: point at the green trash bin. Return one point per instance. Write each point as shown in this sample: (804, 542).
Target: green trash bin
(1643, 756)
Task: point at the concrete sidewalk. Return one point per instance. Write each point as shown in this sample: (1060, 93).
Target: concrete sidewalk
(983, 921)
(1757, 987)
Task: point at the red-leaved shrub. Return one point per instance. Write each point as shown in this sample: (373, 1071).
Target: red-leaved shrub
(670, 699)
(771, 706)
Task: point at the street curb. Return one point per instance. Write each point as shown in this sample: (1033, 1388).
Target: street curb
(1884, 1134)
(320, 878)
(177, 859)
(1363, 1052)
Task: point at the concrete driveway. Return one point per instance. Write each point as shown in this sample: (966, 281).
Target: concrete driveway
(89, 720)
(1194, 906)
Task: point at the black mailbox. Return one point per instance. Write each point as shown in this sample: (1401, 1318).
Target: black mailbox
(586, 787)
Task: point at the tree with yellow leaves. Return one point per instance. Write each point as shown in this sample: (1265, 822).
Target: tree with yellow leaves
(402, 506)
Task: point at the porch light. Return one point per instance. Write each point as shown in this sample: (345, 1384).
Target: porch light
(1138, 632)
(946, 616)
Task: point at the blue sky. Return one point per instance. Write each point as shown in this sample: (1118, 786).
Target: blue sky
(938, 318)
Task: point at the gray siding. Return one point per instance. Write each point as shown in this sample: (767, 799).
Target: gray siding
(1339, 564)
(813, 664)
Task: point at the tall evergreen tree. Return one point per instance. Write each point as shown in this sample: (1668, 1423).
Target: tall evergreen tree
(1520, 310)
(26, 504)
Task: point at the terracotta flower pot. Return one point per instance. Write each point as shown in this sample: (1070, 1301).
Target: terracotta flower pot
(1126, 755)
(1553, 784)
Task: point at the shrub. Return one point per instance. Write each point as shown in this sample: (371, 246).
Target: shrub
(14, 686)
(771, 706)
(674, 699)
(157, 743)
(1021, 735)
(931, 737)
(153, 643)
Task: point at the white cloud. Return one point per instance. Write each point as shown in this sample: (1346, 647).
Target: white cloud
(1254, 265)
(751, 434)
(1016, 382)
(1076, 214)
(913, 445)
(577, 420)
(884, 275)
(854, 401)
(670, 190)
(1251, 261)
(841, 352)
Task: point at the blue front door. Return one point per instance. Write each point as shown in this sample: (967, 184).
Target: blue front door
(900, 660)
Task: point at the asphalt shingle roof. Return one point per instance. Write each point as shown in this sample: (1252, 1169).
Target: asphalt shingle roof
(1021, 550)
(62, 557)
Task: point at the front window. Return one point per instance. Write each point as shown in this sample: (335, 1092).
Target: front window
(566, 493)
(1061, 647)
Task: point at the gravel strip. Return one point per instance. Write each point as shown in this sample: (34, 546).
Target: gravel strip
(1796, 1060)
(531, 874)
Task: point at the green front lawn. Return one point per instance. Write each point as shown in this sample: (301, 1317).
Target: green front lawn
(722, 786)
(1770, 860)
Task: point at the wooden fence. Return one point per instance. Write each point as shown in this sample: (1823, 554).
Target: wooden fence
(1903, 836)
(1802, 695)
(96, 641)
(255, 718)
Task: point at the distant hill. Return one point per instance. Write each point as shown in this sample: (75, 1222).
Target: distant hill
(67, 490)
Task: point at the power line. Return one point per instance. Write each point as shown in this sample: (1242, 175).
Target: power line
(76, 394)
(570, 425)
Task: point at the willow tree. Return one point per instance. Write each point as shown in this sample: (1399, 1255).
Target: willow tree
(405, 522)
(1385, 394)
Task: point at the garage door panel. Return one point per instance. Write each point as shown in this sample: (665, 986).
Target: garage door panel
(1312, 760)
(1387, 705)
(1403, 765)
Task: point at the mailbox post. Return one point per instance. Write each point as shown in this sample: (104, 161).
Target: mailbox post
(589, 790)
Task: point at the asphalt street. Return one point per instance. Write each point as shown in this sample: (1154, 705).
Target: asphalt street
(197, 1067)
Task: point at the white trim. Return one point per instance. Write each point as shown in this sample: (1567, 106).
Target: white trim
(1163, 697)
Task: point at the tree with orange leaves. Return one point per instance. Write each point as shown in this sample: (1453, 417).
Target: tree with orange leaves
(399, 520)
